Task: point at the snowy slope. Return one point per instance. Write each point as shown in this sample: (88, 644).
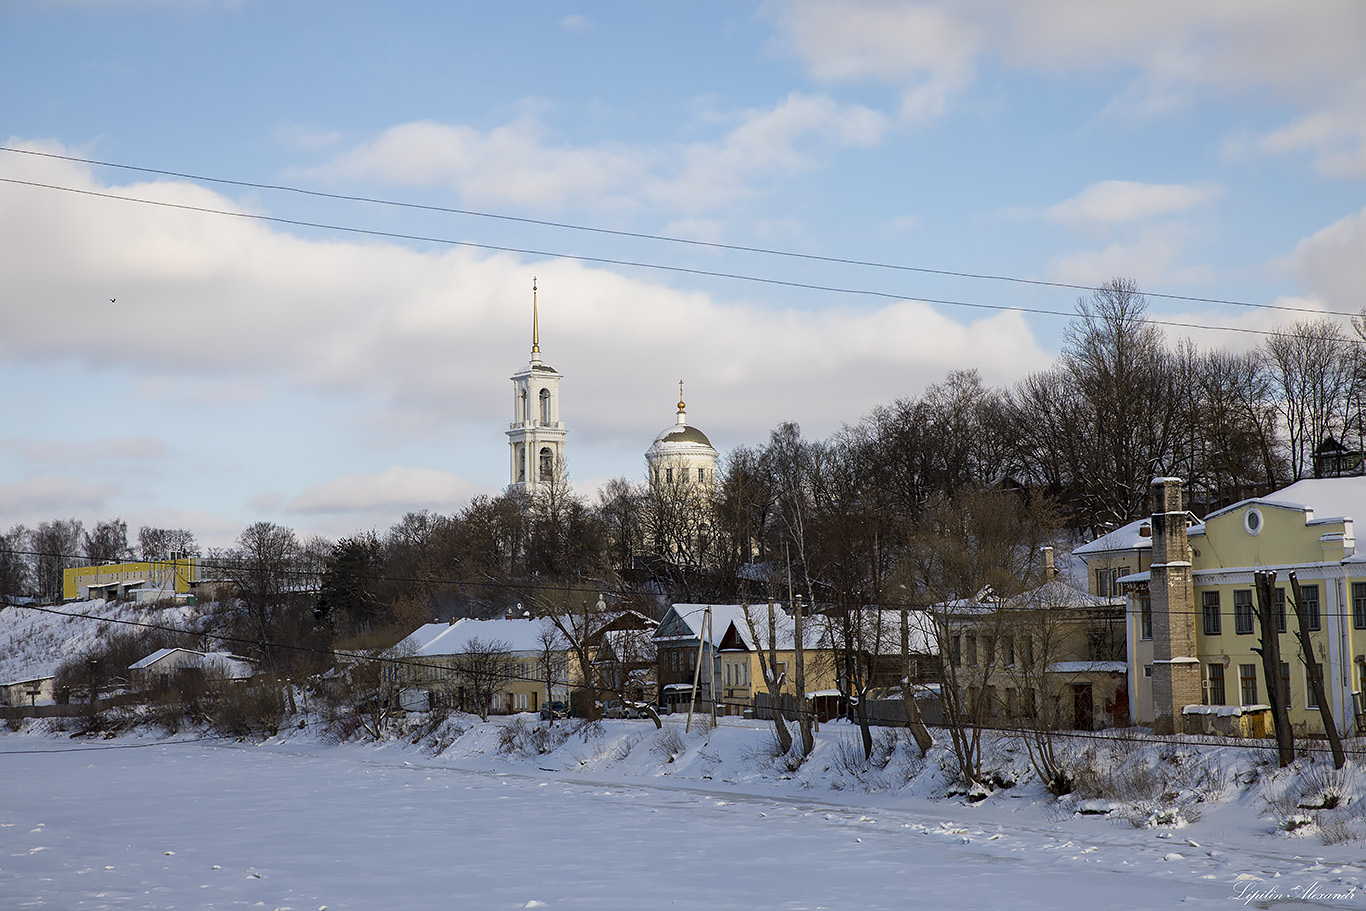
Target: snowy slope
(34, 642)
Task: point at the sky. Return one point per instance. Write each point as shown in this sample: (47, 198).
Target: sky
(307, 305)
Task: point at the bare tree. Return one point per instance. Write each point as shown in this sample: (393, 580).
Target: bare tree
(263, 567)
(612, 649)
(765, 637)
(15, 571)
(163, 543)
(482, 667)
(1268, 631)
(108, 543)
(1315, 671)
(56, 545)
(968, 556)
(1312, 363)
(1121, 370)
(554, 666)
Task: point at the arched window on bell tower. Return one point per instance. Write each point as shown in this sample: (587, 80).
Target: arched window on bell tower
(545, 406)
(547, 464)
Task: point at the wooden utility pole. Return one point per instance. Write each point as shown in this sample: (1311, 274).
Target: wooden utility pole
(697, 670)
(1311, 664)
(1265, 581)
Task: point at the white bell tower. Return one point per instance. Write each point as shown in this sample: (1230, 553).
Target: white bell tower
(536, 435)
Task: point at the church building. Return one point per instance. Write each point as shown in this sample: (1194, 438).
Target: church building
(536, 434)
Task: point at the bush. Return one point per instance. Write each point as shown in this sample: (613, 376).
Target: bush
(254, 710)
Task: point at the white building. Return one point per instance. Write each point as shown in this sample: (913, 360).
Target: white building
(536, 435)
(681, 457)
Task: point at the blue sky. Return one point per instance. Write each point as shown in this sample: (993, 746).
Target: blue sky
(332, 381)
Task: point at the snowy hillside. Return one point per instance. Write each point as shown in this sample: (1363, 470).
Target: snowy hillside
(33, 643)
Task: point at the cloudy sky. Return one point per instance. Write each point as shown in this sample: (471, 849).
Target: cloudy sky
(181, 350)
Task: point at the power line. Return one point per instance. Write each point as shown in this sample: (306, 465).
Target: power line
(639, 264)
(637, 235)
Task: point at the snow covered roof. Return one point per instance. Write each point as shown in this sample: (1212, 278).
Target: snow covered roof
(1130, 537)
(154, 658)
(226, 664)
(433, 639)
(1325, 498)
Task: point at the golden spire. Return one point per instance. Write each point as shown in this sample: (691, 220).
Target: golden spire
(681, 407)
(535, 321)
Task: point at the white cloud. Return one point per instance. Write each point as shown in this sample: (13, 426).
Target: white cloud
(1152, 257)
(1332, 263)
(517, 164)
(228, 329)
(1178, 52)
(928, 51)
(136, 449)
(1113, 202)
(767, 144)
(395, 490)
(45, 497)
(511, 163)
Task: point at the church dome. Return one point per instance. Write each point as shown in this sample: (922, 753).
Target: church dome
(683, 433)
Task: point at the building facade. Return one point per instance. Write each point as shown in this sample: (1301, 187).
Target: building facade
(1192, 632)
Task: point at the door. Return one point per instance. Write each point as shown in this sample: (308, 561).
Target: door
(1082, 707)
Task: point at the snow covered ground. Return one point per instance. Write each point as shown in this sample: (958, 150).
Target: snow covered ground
(622, 817)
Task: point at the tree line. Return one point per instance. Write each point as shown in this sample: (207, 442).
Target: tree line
(904, 505)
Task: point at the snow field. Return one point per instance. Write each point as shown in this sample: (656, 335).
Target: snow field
(603, 819)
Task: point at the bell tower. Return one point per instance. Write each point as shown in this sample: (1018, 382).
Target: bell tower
(536, 434)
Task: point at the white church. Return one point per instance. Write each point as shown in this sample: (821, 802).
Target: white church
(681, 459)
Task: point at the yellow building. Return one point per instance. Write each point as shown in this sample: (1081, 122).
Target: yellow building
(145, 580)
(1307, 529)
(498, 666)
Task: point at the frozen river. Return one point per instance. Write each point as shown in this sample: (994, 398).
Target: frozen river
(203, 826)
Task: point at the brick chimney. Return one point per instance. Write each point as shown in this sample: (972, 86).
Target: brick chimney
(1176, 669)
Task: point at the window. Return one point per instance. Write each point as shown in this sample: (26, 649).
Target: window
(1359, 605)
(1008, 650)
(668, 476)
(1280, 610)
(1309, 594)
(1103, 583)
(956, 651)
(701, 475)
(1310, 700)
(545, 406)
(1216, 684)
(971, 647)
(1242, 612)
(1285, 683)
(1147, 670)
(685, 475)
(1145, 618)
(1209, 602)
(1247, 683)
(989, 650)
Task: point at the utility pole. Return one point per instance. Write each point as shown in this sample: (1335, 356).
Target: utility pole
(697, 670)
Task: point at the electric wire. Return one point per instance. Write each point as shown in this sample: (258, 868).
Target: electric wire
(637, 235)
(641, 264)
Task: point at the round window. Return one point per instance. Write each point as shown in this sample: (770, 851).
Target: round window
(1252, 521)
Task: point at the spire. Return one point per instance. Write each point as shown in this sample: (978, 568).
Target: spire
(682, 408)
(535, 323)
